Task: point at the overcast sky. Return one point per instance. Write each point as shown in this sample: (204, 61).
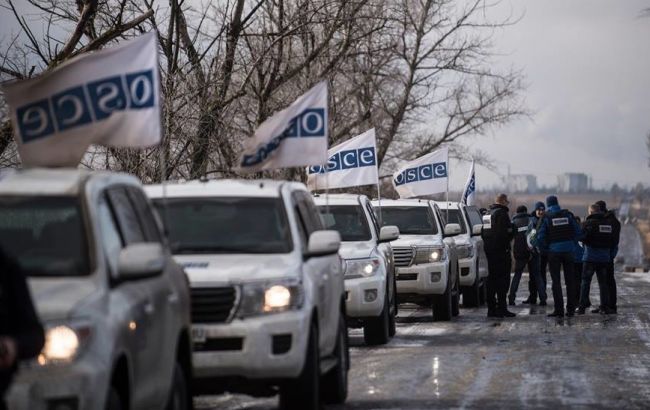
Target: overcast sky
(587, 64)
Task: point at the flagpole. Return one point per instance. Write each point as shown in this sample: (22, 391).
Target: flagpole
(447, 205)
(381, 219)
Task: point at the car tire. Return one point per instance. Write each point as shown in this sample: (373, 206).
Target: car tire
(303, 393)
(455, 300)
(442, 310)
(376, 331)
(179, 396)
(482, 294)
(114, 400)
(334, 384)
(472, 294)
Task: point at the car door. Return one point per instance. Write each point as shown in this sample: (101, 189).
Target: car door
(151, 361)
(324, 270)
(451, 245)
(474, 218)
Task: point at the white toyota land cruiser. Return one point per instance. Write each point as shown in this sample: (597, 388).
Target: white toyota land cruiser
(472, 261)
(115, 305)
(369, 268)
(425, 255)
(268, 304)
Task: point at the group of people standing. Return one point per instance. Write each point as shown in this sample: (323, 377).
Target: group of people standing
(554, 238)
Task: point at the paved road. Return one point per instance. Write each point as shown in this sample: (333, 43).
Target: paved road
(530, 361)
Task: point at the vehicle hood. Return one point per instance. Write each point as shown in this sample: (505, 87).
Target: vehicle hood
(238, 268)
(462, 240)
(59, 298)
(356, 250)
(418, 240)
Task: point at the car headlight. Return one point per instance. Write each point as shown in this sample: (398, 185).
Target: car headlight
(264, 298)
(465, 251)
(361, 268)
(429, 254)
(63, 343)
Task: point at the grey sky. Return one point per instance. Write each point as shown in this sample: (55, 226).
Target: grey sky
(587, 64)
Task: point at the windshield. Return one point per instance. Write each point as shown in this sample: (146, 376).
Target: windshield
(454, 218)
(44, 235)
(349, 220)
(226, 225)
(413, 220)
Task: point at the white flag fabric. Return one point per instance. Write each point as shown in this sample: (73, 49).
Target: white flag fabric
(469, 193)
(294, 137)
(423, 176)
(352, 163)
(109, 97)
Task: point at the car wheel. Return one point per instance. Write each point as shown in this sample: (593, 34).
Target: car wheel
(455, 300)
(335, 382)
(376, 331)
(392, 325)
(114, 400)
(303, 393)
(442, 310)
(179, 398)
(472, 294)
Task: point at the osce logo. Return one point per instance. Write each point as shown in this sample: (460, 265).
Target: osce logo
(309, 123)
(342, 160)
(86, 103)
(421, 173)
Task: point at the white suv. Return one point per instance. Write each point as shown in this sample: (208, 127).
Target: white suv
(472, 262)
(115, 305)
(425, 255)
(268, 304)
(369, 268)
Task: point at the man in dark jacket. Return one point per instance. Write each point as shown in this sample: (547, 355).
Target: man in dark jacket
(497, 249)
(616, 233)
(598, 240)
(539, 260)
(21, 334)
(520, 251)
(558, 233)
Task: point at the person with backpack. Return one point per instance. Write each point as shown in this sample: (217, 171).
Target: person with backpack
(558, 233)
(521, 252)
(616, 236)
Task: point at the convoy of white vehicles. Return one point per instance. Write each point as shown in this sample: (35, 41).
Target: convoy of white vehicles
(232, 285)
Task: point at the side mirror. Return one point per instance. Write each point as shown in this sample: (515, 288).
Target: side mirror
(477, 229)
(323, 243)
(141, 260)
(388, 233)
(452, 229)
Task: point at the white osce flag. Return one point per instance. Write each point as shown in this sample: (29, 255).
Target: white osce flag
(293, 137)
(352, 163)
(109, 97)
(469, 193)
(423, 176)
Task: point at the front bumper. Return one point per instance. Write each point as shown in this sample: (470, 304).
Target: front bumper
(264, 347)
(467, 271)
(359, 301)
(419, 279)
(82, 384)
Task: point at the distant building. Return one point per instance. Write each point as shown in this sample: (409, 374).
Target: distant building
(522, 183)
(574, 183)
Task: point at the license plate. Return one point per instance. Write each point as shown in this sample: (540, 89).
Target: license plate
(198, 334)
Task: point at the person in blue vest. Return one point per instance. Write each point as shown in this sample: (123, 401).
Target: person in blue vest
(558, 233)
(611, 280)
(598, 240)
(522, 254)
(539, 260)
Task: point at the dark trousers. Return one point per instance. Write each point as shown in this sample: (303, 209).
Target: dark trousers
(611, 287)
(558, 261)
(578, 267)
(499, 265)
(534, 278)
(600, 269)
(542, 263)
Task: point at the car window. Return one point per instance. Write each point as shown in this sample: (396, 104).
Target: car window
(309, 216)
(373, 218)
(411, 220)
(146, 217)
(110, 234)
(453, 216)
(127, 218)
(349, 220)
(474, 216)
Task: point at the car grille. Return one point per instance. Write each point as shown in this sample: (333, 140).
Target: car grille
(403, 256)
(213, 305)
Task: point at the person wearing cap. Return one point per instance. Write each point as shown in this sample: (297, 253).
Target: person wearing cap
(521, 252)
(558, 233)
(539, 260)
(610, 278)
(497, 249)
